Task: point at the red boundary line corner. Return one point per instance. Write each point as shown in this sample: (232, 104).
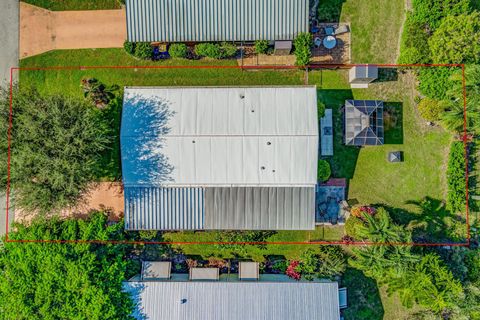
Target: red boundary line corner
(465, 139)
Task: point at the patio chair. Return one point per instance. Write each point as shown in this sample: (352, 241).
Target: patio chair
(248, 270)
(329, 31)
(204, 274)
(154, 270)
(341, 29)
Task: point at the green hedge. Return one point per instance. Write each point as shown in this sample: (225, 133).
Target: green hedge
(456, 197)
(303, 52)
(178, 50)
(435, 82)
(324, 170)
(216, 51)
(261, 46)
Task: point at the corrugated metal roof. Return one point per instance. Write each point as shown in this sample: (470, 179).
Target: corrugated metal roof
(215, 20)
(235, 300)
(151, 208)
(265, 208)
(211, 136)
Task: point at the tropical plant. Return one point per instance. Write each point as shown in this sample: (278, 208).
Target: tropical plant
(324, 170)
(457, 40)
(454, 118)
(65, 280)
(430, 109)
(303, 52)
(332, 262)
(97, 92)
(292, 270)
(261, 46)
(456, 178)
(143, 50)
(129, 47)
(56, 144)
(209, 50)
(178, 50)
(435, 81)
(228, 50)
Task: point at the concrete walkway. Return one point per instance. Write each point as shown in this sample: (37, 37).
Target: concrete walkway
(43, 30)
(8, 38)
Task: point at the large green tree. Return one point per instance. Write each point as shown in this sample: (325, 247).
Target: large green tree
(64, 280)
(457, 40)
(56, 143)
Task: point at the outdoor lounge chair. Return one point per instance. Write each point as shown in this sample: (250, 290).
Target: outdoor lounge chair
(341, 29)
(153, 270)
(204, 274)
(248, 270)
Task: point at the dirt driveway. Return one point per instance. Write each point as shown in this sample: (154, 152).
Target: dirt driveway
(43, 30)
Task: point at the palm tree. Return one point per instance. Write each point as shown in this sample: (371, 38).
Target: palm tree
(453, 119)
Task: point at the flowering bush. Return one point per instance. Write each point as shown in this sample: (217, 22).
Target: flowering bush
(359, 211)
(292, 270)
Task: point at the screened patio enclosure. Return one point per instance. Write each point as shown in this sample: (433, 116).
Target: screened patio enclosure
(363, 123)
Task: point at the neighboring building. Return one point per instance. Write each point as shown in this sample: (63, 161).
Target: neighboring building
(363, 122)
(220, 158)
(276, 297)
(215, 20)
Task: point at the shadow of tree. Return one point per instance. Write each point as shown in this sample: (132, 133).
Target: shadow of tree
(363, 298)
(432, 223)
(145, 123)
(387, 74)
(393, 122)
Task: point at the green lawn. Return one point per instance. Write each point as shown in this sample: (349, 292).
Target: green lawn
(376, 28)
(61, 5)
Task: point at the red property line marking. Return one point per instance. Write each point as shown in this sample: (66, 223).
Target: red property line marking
(317, 66)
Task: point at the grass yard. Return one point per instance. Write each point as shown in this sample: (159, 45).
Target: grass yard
(61, 5)
(376, 29)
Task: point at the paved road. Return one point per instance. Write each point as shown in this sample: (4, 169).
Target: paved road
(9, 26)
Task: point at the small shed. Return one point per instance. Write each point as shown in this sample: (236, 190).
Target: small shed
(283, 48)
(395, 156)
(248, 270)
(362, 75)
(154, 270)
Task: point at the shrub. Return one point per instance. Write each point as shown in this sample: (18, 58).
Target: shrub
(228, 50)
(292, 270)
(430, 109)
(456, 196)
(178, 50)
(129, 47)
(143, 50)
(332, 262)
(457, 40)
(98, 93)
(431, 12)
(324, 170)
(320, 109)
(414, 43)
(210, 50)
(351, 226)
(280, 266)
(303, 52)
(329, 10)
(261, 46)
(435, 82)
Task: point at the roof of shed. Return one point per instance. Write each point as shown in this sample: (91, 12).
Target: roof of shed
(219, 136)
(235, 300)
(215, 20)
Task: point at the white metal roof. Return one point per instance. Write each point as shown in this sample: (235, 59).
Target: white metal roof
(220, 136)
(235, 300)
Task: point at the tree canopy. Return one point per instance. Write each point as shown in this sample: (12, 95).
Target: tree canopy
(62, 280)
(56, 143)
(457, 39)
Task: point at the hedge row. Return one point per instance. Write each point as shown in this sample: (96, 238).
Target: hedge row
(456, 197)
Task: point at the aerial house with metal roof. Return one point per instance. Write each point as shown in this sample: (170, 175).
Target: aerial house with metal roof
(240, 158)
(215, 20)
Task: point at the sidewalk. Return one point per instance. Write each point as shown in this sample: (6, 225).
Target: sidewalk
(43, 30)
(8, 39)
